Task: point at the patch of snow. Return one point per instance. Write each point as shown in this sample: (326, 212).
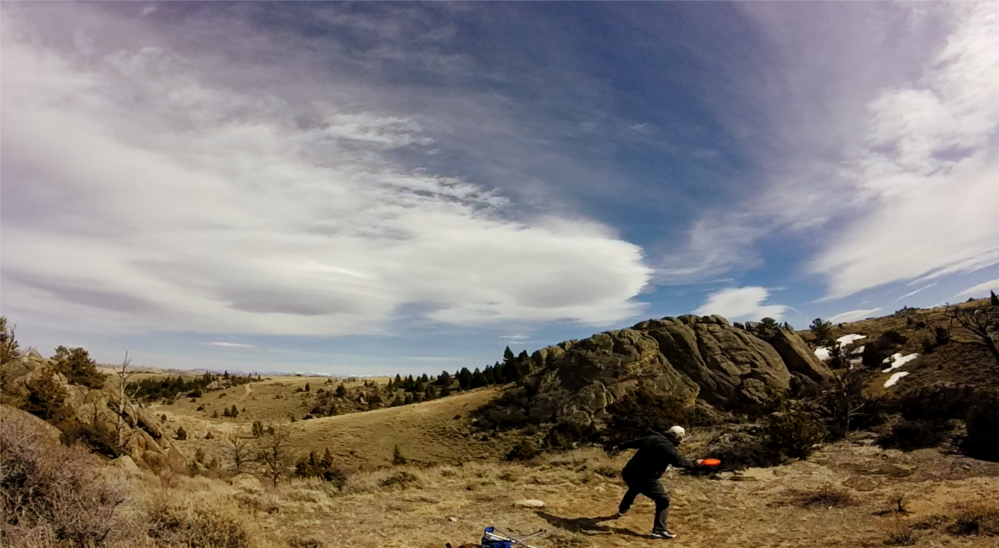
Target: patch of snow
(822, 353)
(898, 360)
(858, 351)
(894, 378)
(849, 339)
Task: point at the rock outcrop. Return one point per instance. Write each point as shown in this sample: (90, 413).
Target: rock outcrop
(701, 359)
(140, 438)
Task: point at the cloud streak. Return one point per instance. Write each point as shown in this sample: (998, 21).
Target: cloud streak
(853, 315)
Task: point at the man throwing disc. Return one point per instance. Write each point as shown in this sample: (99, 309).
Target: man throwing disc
(655, 454)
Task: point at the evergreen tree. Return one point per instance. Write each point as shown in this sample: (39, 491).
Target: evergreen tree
(79, 368)
(409, 399)
(430, 393)
(424, 379)
(307, 387)
(508, 355)
(993, 299)
(341, 391)
(822, 331)
(234, 412)
(478, 379)
(465, 378)
(444, 379)
(445, 391)
(327, 459)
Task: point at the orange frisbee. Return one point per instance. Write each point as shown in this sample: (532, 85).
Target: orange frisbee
(711, 462)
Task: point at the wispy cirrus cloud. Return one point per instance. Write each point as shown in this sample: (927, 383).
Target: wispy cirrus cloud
(916, 291)
(223, 344)
(853, 315)
(980, 289)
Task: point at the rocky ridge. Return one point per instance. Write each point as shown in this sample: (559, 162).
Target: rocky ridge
(703, 360)
(141, 441)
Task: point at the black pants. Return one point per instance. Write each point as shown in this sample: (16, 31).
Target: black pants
(654, 490)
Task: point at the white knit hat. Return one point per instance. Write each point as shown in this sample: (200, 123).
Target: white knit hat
(679, 432)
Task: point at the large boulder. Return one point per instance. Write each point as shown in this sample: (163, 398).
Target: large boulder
(733, 368)
(586, 376)
(45, 428)
(800, 360)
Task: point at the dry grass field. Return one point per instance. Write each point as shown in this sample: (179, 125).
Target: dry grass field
(434, 432)
(846, 495)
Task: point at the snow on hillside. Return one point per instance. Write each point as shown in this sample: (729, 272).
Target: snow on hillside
(894, 378)
(898, 360)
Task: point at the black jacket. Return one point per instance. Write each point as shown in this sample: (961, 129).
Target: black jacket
(655, 454)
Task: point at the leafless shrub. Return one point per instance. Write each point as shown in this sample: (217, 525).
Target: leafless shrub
(49, 491)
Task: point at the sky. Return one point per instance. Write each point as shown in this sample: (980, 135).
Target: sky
(384, 187)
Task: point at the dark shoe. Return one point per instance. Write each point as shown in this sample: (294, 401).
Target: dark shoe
(663, 534)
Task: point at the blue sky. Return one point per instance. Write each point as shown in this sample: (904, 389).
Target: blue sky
(380, 187)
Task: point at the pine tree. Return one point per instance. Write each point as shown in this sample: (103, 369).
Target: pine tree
(444, 379)
(307, 387)
(508, 355)
(993, 299)
(327, 459)
(445, 391)
(181, 433)
(465, 378)
(341, 391)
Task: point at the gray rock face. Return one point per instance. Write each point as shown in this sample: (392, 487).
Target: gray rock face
(694, 358)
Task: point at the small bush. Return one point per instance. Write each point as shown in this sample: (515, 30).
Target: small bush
(912, 435)
(181, 433)
(401, 479)
(567, 435)
(791, 432)
(741, 450)
(641, 413)
(201, 521)
(524, 450)
(898, 532)
(100, 438)
(937, 403)
(979, 519)
(826, 497)
(982, 441)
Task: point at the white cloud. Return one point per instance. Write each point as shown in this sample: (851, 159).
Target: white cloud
(515, 337)
(927, 169)
(149, 190)
(853, 315)
(741, 303)
(905, 164)
(980, 289)
(911, 293)
(222, 344)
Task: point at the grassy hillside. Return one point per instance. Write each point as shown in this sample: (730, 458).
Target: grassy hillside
(430, 432)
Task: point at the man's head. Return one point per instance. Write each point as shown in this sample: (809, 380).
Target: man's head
(676, 434)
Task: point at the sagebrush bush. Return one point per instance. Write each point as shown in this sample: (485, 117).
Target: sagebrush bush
(916, 434)
(100, 437)
(982, 440)
(203, 520)
(48, 491)
(791, 431)
(643, 412)
(824, 497)
(937, 403)
(524, 450)
(979, 519)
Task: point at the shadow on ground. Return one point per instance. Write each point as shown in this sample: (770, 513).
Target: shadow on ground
(588, 526)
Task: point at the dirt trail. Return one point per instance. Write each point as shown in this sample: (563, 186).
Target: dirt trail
(249, 390)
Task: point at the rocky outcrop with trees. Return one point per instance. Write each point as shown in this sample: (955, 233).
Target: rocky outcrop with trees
(693, 359)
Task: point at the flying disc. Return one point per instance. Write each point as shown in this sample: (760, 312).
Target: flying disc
(710, 462)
